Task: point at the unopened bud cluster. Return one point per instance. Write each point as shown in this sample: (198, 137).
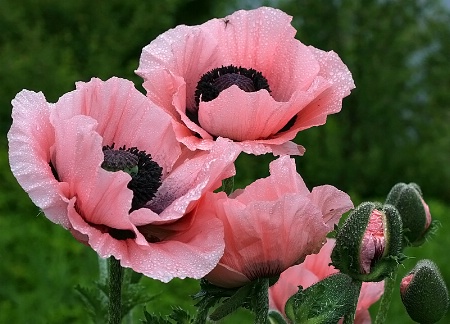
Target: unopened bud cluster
(415, 214)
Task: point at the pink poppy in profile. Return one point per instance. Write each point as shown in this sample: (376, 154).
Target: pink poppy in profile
(272, 224)
(104, 163)
(244, 77)
(315, 268)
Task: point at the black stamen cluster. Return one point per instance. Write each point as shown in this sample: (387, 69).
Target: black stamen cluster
(145, 173)
(219, 79)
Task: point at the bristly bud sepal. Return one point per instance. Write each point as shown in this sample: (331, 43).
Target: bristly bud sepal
(415, 213)
(369, 243)
(424, 293)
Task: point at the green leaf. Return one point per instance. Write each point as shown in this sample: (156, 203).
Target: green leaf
(324, 302)
(134, 295)
(233, 303)
(276, 318)
(95, 302)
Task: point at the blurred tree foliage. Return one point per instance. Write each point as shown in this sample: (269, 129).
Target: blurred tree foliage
(48, 45)
(395, 126)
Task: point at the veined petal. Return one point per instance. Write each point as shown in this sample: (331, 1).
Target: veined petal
(102, 197)
(333, 203)
(30, 138)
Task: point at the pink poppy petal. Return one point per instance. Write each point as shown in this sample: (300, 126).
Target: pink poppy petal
(198, 50)
(192, 253)
(285, 148)
(30, 138)
(330, 101)
(255, 116)
(263, 39)
(333, 203)
(123, 115)
(283, 179)
(102, 196)
(370, 293)
(256, 234)
(320, 263)
(222, 276)
(362, 317)
(287, 285)
(187, 183)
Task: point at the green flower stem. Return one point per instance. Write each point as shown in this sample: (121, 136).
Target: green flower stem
(350, 317)
(103, 271)
(261, 301)
(115, 291)
(389, 284)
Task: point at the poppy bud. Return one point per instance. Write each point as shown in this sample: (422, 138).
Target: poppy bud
(368, 245)
(424, 293)
(415, 214)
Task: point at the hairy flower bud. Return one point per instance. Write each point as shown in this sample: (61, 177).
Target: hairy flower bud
(368, 245)
(415, 214)
(424, 293)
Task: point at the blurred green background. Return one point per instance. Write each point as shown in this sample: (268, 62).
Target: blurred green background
(394, 127)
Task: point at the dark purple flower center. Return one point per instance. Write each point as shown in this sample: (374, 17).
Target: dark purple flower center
(215, 81)
(145, 173)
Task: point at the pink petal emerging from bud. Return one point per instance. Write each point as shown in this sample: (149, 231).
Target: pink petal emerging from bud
(405, 283)
(315, 268)
(427, 214)
(373, 242)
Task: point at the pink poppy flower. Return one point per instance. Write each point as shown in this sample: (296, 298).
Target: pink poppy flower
(272, 224)
(70, 158)
(315, 268)
(244, 77)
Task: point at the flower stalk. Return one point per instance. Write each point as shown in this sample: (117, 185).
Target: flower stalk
(389, 284)
(115, 275)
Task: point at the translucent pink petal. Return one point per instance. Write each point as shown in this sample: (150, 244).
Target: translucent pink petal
(263, 39)
(262, 225)
(30, 138)
(370, 293)
(327, 102)
(283, 179)
(319, 263)
(191, 253)
(123, 115)
(333, 203)
(362, 317)
(102, 196)
(288, 284)
(184, 51)
(256, 116)
(261, 232)
(181, 190)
